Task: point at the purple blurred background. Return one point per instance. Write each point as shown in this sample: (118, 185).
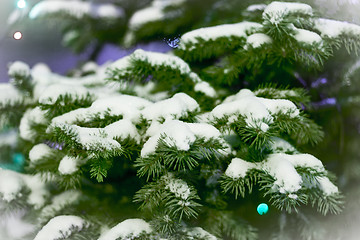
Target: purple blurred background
(41, 43)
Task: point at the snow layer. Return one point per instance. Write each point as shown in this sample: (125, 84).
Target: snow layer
(9, 93)
(256, 110)
(77, 9)
(175, 107)
(238, 168)
(8, 138)
(68, 165)
(122, 64)
(38, 191)
(145, 15)
(287, 180)
(204, 130)
(35, 115)
(199, 233)
(39, 152)
(59, 202)
(303, 160)
(276, 11)
(19, 68)
(279, 145)
(145, 91)
(89, 67)
(181, 135)
(11, 184)
(54, 91)
(152, 13)
(156, 60)
(61, 227)
(127, 106)
(45, 82)
(176, 133)
(100, 138)
(258, 39)
(256, 7)
(177, 186)
(327, 186)
(333, 28)
(239, 30)
(281, 166)
(278, 94)
(205, 88)
(94, 139)
(130, 228)
(123, 129)
(307, 36)
(161, 59)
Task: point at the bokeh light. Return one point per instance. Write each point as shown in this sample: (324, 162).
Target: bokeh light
(17, 35)
(263, 208)
(21, 4)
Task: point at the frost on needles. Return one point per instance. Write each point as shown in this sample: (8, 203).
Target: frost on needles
(158, 146)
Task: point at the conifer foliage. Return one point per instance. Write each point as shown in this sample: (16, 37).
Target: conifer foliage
(181, 145)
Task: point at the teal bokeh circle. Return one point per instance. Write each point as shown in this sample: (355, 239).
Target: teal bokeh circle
(263, 208)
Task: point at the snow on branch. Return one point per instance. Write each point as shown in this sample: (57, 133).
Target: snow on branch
(68, 165)
(61, 227)
(335, 29)
(12, 184)
(39, 152)
(54, 91)
(98, 139)
(275, 12)
(31, 117)
(59, 202)
(19, 68)
(179, 134)
(155, 12)
(122, 105)
(282, 168)
(10, 94)
(200, 36)
(175, 107)
(129, 228)
(161, 67)
(205, 43)
(257, 39)
(76, 9)
(257, 111)
(199, 233)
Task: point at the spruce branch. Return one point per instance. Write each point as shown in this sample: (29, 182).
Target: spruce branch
(273, 91)
(238, 186)
(225, 225)
(68, 103)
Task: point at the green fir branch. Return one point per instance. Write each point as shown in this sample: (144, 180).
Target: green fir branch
(99, 168)
(325, 204)
(203, 50)
(239, 185)
(226, 225)
(23, 83)
(12, 112)
(301, 129)
(296, 95)
(68, 103)
(99, 120)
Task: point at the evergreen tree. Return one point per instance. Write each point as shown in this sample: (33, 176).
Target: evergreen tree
(183, 145)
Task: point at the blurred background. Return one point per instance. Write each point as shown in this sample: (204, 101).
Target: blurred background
(43, 43)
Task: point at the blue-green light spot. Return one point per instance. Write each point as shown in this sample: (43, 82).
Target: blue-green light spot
(18, 159)
(263, 208)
